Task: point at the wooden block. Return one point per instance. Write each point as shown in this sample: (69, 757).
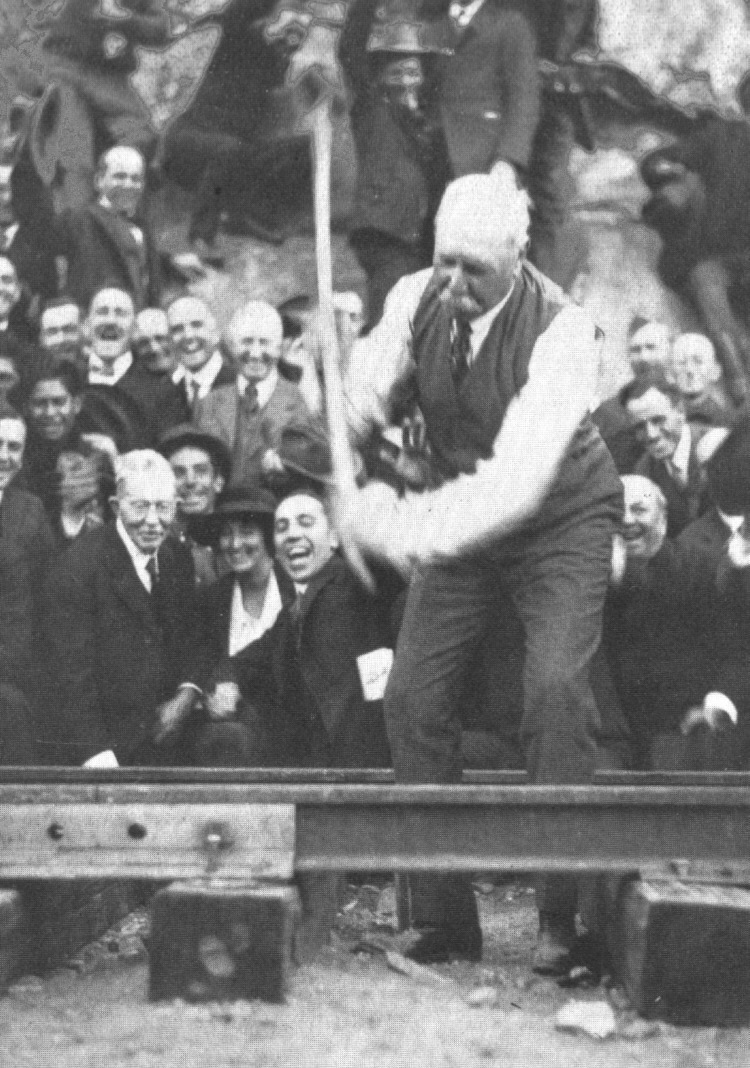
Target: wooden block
(220, 941)
(682, 951)
(14, 950)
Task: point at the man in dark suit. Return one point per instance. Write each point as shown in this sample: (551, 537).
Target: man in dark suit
(477, 105)
(116, 376)
(119, 622)
(656, 411)
(250, 415)
(23, 522)
(106, 240)
(675, 641)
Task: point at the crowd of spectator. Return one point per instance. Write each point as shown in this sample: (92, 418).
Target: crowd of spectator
(174, 588)
(174, 591)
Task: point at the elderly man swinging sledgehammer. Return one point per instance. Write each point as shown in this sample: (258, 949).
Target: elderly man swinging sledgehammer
(505, 370)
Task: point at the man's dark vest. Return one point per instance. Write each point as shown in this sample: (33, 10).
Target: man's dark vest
(462, 424)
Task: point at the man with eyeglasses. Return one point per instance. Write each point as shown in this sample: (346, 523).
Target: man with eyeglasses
(119, 623)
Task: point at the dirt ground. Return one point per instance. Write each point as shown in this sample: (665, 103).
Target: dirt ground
(349, 1009)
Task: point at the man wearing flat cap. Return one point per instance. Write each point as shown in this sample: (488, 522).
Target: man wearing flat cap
(201, 464)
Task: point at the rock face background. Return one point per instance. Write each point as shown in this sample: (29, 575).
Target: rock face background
(692, 51)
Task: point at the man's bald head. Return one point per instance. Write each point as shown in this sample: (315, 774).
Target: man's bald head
(120, 179)
(254, 338)
(193, 330)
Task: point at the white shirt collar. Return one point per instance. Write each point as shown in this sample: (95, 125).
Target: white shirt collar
(3, 325)
(481, 326)
(462, 14)
(680, 459)
(264, 388)
(10, 234)
(205, 376)
(733, 522)
(244, 628)
(120, 367)
(139, 558)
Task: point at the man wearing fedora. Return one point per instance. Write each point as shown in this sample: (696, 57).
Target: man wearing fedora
(250, 414)
(202, 465)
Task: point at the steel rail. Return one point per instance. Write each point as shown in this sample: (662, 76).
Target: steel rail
(111, 829)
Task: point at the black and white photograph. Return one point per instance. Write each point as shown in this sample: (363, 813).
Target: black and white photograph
(374, 533)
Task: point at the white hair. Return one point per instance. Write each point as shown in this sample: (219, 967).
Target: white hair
(139, 462)
(489, 206)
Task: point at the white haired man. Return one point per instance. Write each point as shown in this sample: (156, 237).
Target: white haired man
(505, 369)
(119, 622)
(249, 415)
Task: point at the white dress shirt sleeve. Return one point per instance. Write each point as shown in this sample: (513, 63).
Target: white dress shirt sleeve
(508, 489)
(383, 358)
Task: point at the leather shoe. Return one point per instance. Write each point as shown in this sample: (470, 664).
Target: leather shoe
(557, 935)
(436, 945)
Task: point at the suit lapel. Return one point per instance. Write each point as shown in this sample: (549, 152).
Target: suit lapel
(124, 579)
(121, 239)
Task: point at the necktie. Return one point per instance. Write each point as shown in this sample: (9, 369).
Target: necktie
(156, 592)
(250, 398)
(153, 572)
(460, 349)
(191, 388)
(295, 613)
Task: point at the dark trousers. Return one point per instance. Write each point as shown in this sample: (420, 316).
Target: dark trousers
(557, 580)
(557, 243)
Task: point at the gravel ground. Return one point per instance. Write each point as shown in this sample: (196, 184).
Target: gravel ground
(347, 1009)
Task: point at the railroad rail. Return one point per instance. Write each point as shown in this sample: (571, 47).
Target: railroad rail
(63, 823)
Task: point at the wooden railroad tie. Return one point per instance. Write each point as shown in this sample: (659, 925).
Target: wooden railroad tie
(233, 841)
